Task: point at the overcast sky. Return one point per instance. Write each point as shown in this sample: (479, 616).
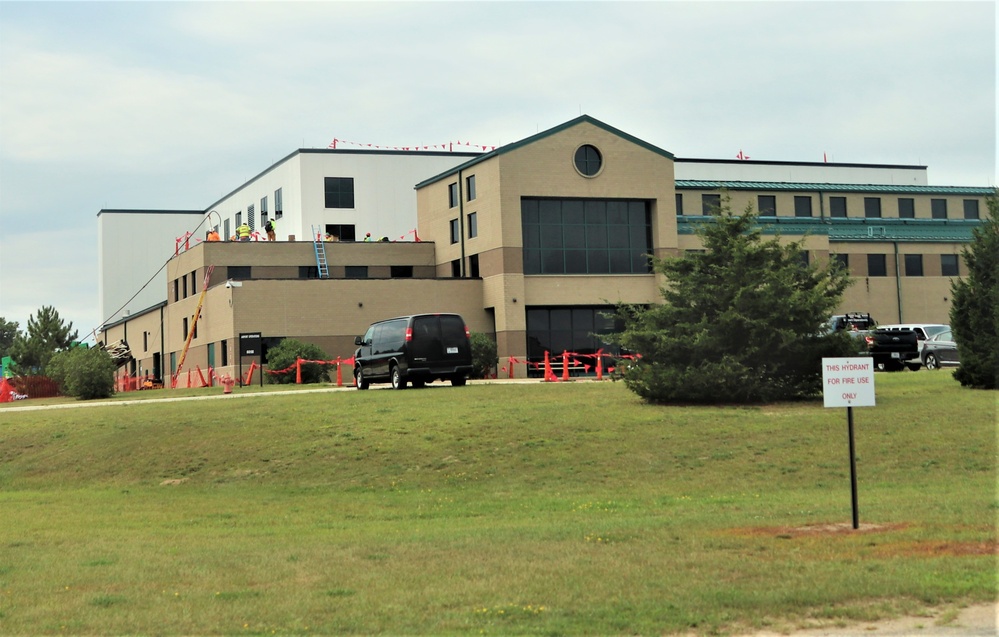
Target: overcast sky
(170, 105)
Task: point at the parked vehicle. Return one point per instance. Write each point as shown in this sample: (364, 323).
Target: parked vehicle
(415, 349)
(923, 330)
(893, 349)
(940, 350)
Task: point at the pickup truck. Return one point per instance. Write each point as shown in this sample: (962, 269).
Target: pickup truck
(893, 349)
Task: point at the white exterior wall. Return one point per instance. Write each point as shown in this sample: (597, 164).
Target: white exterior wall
(801, 173)
(132, 247)
(384, 198)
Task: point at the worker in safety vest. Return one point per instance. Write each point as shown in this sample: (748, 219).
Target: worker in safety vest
(243, 232)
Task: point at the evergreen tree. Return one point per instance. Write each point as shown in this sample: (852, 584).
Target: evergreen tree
(742, 321)
(974, 311)
(8, 330)
(44, 336)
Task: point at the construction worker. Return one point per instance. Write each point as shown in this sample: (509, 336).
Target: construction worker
(271, 228)
(213, 235)
(243, 232)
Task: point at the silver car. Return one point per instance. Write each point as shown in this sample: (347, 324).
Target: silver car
(939, 350)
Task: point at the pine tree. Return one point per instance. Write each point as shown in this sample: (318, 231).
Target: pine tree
(8, 330)
(742, 320)
(974, 311)
(44, 336)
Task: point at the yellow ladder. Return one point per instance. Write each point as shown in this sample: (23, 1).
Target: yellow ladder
(194, 324)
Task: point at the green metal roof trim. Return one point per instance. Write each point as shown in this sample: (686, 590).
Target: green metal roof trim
(551, 131)
(693, 184)
(858, 230)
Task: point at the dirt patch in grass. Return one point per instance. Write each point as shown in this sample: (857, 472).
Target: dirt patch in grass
(934, 548)
(836, 528)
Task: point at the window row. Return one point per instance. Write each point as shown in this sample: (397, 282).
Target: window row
(244, 272)
(229, 229)
(909, 264)
(453, 196)
(766, 205)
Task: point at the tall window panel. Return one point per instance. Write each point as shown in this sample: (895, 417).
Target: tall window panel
(802, 206)
(767, 205)
(949, 265)
(971, 209)
(837, 207)
(938, 208)
(872, 207)
(906, 208)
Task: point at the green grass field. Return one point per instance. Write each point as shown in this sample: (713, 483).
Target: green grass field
(496, 509)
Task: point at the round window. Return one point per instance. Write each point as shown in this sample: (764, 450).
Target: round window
(588, 160)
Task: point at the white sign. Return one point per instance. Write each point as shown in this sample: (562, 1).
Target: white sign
(848, 382)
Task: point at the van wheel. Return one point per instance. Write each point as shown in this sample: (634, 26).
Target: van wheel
(458, 381)
(398, 382)
(359, 380)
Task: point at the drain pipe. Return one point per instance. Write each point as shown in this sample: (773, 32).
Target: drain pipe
(898, 282)
(461, 226)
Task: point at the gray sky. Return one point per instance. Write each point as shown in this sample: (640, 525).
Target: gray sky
(170, 105)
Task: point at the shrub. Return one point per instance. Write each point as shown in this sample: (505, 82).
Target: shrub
(287, 352)
(484, 356)
(83, 372)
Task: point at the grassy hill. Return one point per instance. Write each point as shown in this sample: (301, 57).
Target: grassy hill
(492, 509)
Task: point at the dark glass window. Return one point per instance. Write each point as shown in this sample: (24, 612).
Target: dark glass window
(341, 231)
(237, 272)
(679, 203)
(176, 290)
(456, 268)
(872, 207)
(401, 271)
(913, 265)
(803, 258)
(767, 205)
(938, 208)
(470, 188)
(710, 204)
(356, 271)
(592, 236)
(906, 208)
(837, 207)
(263, 209)
(239, 218)
(455, 232)
(308, 272)
(949, 265)
(842, 260)
(473, 266)
(339, 192)
(184, 285)
(225, 233)
(971, 209)
(473, 225)
(577, 330)
(802, 206)
(278, 204)
(877, 265)
(452, 195)
(588, 160)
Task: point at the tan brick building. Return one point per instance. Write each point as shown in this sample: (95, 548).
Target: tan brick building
(535, 241)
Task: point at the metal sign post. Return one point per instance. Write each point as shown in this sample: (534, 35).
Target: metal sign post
(849, 382)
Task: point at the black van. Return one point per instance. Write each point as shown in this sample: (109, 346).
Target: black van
(419, 349)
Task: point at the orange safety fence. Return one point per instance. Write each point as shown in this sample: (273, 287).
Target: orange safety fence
(567, 362)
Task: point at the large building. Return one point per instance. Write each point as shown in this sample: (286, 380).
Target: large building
(534, 242)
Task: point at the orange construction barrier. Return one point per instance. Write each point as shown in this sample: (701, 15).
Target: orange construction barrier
(204, 383)
(565, 365)
(249, 373)
(298, 371)
(339, 373)
(600, 364)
